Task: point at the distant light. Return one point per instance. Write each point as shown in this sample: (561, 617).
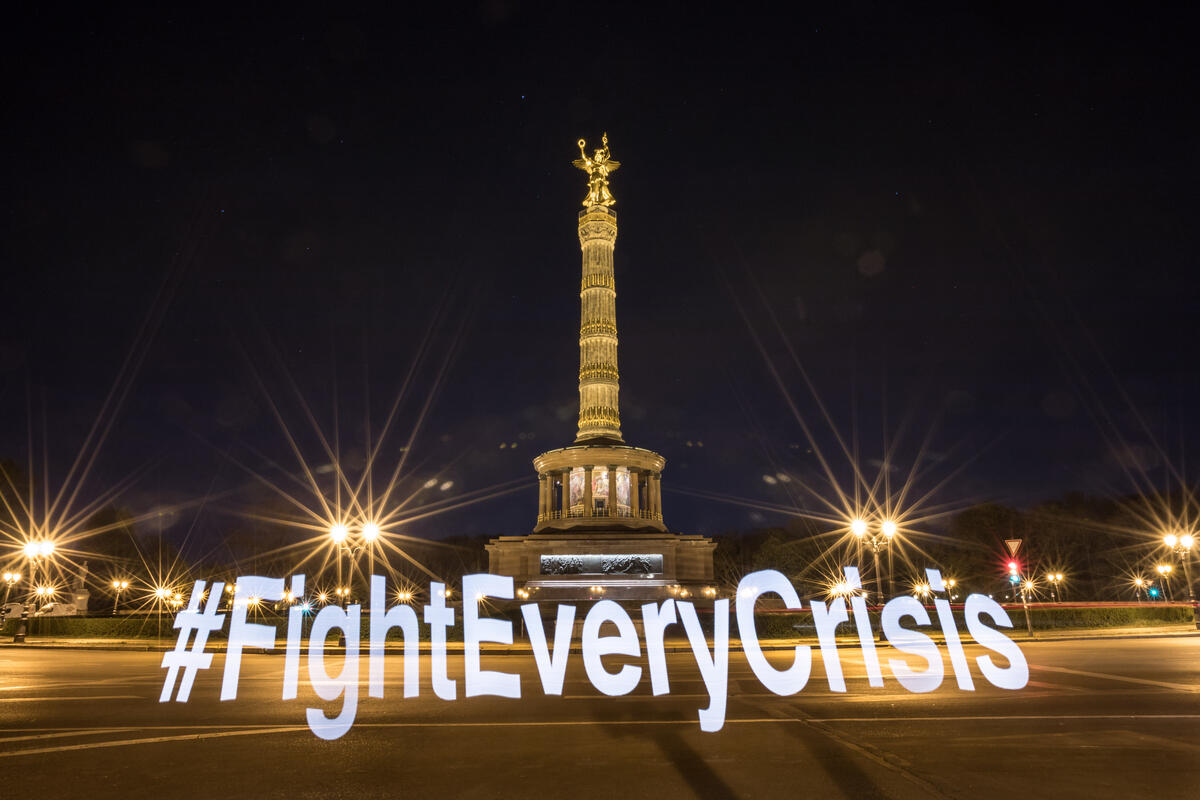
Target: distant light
(370, 531)
(31, 549)
(338, 532)
(161, 593)
(1187, 541)
(446, 486)
(859, 527)
(770, 480)
(1170, 540)
(429, 484)
(46, 548)
(888, 528)
(305, 607)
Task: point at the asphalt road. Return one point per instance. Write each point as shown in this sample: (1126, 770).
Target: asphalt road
(1098, 719)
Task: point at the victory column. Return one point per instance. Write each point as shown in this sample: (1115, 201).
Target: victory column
(600, 528)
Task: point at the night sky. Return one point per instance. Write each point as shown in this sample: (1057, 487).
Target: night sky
(976, 227)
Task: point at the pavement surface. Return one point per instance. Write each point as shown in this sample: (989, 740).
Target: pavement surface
(1099, 718)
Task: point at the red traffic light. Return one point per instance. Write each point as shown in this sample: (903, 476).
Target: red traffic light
(1012, 566)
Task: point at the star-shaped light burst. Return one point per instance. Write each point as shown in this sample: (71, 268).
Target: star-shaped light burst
(352, 511)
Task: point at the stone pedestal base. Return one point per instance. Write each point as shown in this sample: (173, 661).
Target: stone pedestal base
(609, 564)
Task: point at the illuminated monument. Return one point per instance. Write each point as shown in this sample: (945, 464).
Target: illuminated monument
(600, 527)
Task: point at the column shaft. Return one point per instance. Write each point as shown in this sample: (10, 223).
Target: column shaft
(588, 511)
(634, 477)
(612, 491)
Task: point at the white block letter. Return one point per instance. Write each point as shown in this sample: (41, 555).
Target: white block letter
(595, 646)
(1016, 675)
(345, 684)
(958, 659)
(438, 618)
(478, 681)
(909, 641)
(655, 620)
(291, 658)
(243, 634)
(552, 670)
(862, 623)
(398, 616)
(715, 669)
(751, 587)
(825, 620)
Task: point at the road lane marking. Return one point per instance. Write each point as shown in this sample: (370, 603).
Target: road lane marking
(1179, 687)
(254, 731)
(156, 739)
(80, 697)
(67, 734)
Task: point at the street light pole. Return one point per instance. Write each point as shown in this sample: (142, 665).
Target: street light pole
(1182, 545)
(34, 550)
(9, 579)
(877, 542)
(118, 586)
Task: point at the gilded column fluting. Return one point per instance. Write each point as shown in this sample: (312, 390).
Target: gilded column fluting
(598, 377)
(599, 417)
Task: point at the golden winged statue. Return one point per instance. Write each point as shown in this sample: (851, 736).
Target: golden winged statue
(598, 168)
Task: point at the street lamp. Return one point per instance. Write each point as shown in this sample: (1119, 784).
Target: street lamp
(1140, 585)
(35, 550)
(878, 543)
(118, 587)
(10, 578)
(1055, 579)
(1182, 545)
(1165, 571)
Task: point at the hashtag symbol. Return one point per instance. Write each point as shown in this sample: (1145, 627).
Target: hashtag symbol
(188, 620)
